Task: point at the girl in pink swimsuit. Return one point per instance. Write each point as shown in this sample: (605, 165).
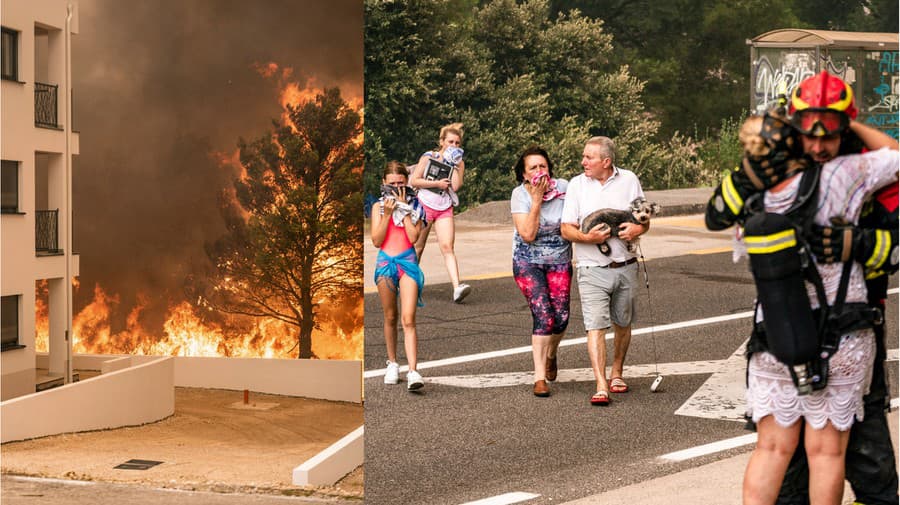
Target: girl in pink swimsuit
(397, 221)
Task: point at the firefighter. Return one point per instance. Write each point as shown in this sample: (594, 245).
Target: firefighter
(823, 114)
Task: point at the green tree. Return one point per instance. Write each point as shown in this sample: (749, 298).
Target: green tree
(294, 224)
(513, 72)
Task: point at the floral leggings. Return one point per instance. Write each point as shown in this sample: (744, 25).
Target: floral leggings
(546, 287)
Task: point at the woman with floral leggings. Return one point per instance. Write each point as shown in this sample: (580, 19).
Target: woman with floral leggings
(541, 258)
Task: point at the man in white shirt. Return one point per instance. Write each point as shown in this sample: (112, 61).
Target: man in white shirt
(607, 284)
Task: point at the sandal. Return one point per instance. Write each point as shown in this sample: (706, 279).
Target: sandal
(600, 398)
(617, 385)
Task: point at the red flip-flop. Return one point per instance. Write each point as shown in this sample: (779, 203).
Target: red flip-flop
(617, 385)
(600, 398)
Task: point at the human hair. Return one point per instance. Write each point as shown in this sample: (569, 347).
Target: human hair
(456, 128)
(606, 145)
(520, 163)
(395, 167)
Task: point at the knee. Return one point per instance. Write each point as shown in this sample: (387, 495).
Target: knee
(776, 447)
(390, 317)
(446, 247)
(409, 321)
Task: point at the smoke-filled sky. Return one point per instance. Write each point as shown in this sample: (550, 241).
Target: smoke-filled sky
(159, 87)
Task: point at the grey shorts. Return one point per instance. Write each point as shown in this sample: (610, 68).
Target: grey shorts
(607, 295)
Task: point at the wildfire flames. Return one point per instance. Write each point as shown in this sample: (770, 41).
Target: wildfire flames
(185, 332)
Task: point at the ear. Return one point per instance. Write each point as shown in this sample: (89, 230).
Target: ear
(655, 208)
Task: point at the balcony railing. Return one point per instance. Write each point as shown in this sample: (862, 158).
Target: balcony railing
(46, 231)
(45, 105)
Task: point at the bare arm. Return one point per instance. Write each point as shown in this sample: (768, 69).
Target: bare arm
(412, 230)
(596, 235)
(527, 225)
(631, 231)
(456, 179)
(379, 222)
(872, 138)
(417, 179)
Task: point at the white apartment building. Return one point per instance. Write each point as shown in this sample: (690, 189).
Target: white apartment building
(37, 145)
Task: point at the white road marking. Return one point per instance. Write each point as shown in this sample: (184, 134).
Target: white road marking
(703, 450)
(504, 499)
(731, 443)
(722, 395)
(578, 374)
(567, 342)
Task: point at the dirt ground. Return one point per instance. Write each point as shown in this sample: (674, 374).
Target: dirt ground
(212, 442)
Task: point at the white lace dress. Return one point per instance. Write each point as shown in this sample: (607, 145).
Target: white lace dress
(844, 186)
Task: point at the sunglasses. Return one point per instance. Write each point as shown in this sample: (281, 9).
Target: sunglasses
(820, 123)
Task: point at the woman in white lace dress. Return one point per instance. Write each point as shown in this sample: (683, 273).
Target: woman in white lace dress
(772, 398)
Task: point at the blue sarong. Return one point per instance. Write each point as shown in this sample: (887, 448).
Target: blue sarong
(390, 266)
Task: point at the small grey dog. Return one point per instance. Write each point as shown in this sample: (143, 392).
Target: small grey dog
(640, 212)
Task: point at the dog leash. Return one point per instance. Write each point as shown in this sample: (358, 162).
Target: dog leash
(658, 379)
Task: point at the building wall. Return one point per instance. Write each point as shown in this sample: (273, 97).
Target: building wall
(27, 144)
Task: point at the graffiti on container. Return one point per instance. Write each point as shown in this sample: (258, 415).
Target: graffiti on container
(883, 115)
(783, 76)
(887, 69)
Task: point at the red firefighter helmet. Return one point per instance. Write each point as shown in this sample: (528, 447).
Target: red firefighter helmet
(822, 105)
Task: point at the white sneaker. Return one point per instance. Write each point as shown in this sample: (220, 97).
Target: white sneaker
(392, 374)
(461, 292)
(414, 380)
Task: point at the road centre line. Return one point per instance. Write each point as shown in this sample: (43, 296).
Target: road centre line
(504, 499)
(567, 342)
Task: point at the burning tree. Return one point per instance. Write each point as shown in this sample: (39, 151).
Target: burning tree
(294, 220)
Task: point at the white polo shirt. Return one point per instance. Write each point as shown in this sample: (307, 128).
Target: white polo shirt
(585, 195)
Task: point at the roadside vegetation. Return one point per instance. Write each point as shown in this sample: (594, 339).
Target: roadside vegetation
(667, 80)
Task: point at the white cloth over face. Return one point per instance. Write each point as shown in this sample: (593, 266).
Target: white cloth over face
(845, 184)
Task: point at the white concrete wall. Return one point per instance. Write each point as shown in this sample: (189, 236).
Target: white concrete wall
(332, 464)
(134, 396)
(337, 380)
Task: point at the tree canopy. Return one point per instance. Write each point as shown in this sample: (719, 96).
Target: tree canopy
(666, 80)
(693, 55)
(513, 73)
(294, 224)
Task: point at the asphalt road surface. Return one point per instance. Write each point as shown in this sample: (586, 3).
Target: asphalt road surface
(476, 431)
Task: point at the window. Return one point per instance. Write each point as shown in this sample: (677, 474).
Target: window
(9, 321)
(9, 186)
(10, 55)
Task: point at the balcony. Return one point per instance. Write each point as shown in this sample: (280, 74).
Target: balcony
(46, 232)
(45, 105)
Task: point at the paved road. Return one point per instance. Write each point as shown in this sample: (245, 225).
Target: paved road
(476, 431)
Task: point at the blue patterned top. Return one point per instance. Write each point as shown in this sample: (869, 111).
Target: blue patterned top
(548, 247)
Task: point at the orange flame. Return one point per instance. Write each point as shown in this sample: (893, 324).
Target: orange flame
(184, 333)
